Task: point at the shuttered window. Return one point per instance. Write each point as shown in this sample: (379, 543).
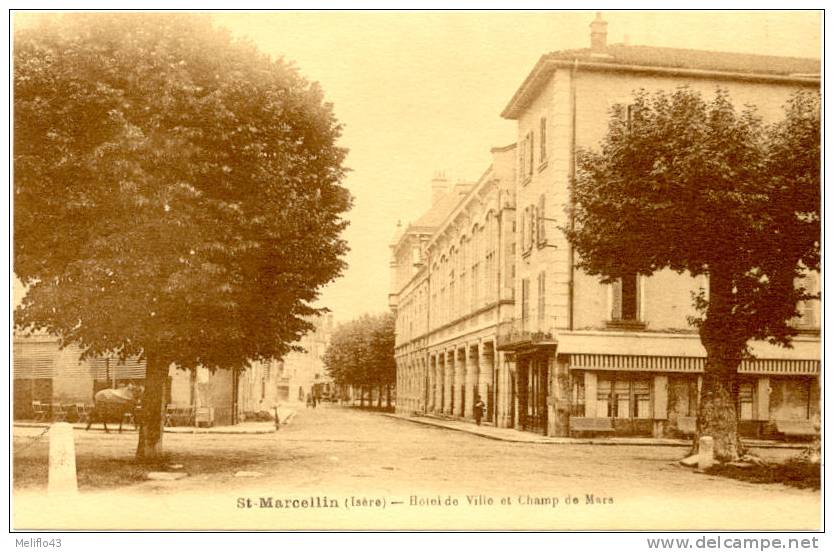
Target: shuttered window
(625, 299)
(541, 237)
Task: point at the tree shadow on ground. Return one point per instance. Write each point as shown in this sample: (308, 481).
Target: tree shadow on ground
(794, 473)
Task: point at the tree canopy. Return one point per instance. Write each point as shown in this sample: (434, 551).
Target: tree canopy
(702, 188)
(361, 352)
(175, 190)
(177, 194)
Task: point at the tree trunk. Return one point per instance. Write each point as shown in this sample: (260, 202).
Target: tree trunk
(362, 396)
(725, 345)
(717, 413)
(150, 428)
(388, 395)
(379, 397)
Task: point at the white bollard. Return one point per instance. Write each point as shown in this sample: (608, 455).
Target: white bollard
(62, 475)
(706, 452)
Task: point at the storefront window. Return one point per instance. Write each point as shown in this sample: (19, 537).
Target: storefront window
(621, 398)
(642, 399)
(604, 398)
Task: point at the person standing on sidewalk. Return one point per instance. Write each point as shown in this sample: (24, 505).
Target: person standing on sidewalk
(479, 407)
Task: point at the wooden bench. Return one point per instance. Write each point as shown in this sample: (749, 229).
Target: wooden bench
(591, 425)
(795, 428)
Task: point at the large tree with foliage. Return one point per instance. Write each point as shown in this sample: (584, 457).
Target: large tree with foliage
(361, 353)
(176, 194)
(702, 188)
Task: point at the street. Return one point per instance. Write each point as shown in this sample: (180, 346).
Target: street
(337, 453)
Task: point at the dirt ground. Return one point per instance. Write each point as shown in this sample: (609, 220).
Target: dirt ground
(343, 453)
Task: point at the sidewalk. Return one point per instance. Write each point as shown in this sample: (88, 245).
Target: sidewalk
(243, 428)
(516, 436)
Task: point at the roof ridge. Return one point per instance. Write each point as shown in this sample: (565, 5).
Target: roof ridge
(622, 45)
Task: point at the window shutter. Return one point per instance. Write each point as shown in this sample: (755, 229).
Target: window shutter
(543, 139)
(534, 224)
(542, 237)
(617, 300)
(524, 230)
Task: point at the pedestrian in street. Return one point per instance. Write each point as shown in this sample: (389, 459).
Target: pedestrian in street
(309, 400)
(479, 410)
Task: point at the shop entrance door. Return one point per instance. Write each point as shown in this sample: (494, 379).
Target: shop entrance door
(533, 395)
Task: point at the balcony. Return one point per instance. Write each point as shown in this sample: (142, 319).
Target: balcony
(523, 333)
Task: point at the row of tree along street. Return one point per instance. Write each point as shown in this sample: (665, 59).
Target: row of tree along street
(178, 197)
(361, 357)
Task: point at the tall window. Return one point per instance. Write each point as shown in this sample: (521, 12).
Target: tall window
(625, 299)
(542, 140)
(541, 298)
(524, 215)
(528, 228)
(452, 304)
(540, 223)
(527, 157)
(475, 291)
(464, 258)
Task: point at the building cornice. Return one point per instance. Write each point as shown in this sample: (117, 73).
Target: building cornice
(546, 66)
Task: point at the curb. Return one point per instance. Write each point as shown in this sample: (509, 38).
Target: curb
(622, 441)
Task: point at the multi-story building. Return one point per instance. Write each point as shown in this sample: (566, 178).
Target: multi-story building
(452, 285)
(620, 358)
(230, 396)
(303, 372)
(264, 385)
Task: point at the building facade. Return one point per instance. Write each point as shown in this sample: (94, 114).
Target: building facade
(452, 285)
(230, 396)
(577, 355)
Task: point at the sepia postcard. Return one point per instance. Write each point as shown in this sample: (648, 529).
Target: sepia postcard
(416, 270)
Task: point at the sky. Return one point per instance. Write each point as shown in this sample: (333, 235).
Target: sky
(421, 92)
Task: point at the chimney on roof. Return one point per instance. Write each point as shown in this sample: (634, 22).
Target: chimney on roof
(599, 34)
(439, 186)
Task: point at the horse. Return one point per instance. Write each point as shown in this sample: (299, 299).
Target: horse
(113, 404)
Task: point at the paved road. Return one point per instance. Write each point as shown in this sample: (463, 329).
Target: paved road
(340, 453)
